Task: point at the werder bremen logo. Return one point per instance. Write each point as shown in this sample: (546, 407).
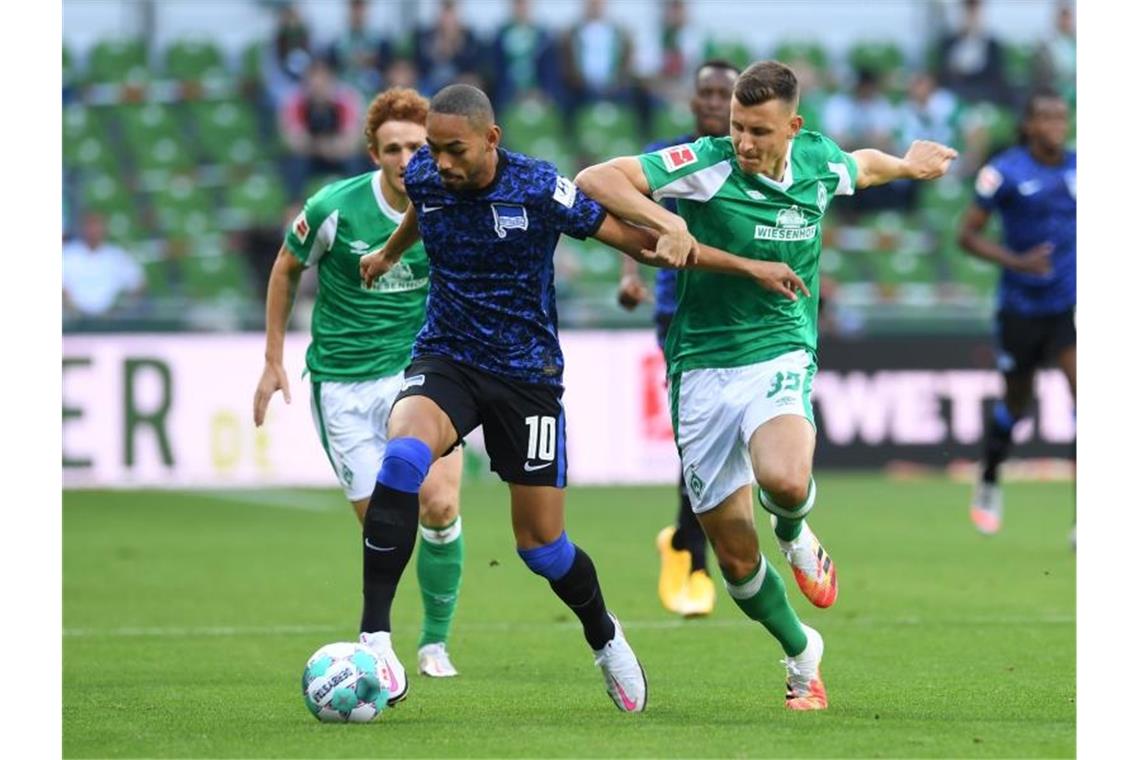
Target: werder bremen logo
(791, 225)
(399, 279)
(696, 485)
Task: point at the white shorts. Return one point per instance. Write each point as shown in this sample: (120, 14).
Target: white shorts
(352, 421)
(716, 411)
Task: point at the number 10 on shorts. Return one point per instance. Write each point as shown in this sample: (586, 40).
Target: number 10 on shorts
(540, 438)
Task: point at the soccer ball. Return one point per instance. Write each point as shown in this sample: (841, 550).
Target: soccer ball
(341, 683)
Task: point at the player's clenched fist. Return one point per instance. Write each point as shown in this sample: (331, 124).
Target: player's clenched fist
(928, 160)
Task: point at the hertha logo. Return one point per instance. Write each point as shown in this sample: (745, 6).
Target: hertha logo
(508, 217)
(678, 156)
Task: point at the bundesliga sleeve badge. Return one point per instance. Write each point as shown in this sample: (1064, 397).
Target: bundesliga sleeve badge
(678, 156)
(301, 227)
(988, 182)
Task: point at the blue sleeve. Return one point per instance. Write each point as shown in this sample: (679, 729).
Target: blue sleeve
(416, 174)
(992, 186)
(571, 211)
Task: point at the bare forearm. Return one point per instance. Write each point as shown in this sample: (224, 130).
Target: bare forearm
(278, 306)
(977, 244)
(879, 168)
(715, 260)
(628, 239)
(611, 187)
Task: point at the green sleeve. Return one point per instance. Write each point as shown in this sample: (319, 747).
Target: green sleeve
(694, 171)
(842, 165)
(309, 235)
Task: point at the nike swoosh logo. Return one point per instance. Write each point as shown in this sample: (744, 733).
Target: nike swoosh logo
(374, 547)
(429, 209)
(528, 468)
(630, 704)
(393, 684)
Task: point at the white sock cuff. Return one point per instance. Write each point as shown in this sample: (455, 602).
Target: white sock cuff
(443, 535)
(751, 587)
(797, 513)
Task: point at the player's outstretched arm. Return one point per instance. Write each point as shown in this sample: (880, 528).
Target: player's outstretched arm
(282, 291)
(770, 275)
(923, 160)
(644, 245)
(621, 187)
(374, 265)
(1037, 260)
(631, 288)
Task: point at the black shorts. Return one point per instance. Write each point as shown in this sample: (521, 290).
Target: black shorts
(1027, 343)
(524, 424)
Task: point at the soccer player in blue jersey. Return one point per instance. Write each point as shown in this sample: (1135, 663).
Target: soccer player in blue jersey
(488, 355)
(1033, 188)
(683, 584)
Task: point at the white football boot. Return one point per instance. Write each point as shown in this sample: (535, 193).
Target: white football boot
(391, 674)
(625, 679)
(986, 507)
(805, 683)
(434, 661)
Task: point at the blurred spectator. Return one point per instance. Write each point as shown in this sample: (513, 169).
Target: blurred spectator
(521, 57)
(287, 57)
(596, 57)
(971, 62)
(672, 65)
(864, 119)
(99, 278)
(928, 113)
(356, 53)
(1055, 64)
(401, 72)
(448, 52)
(320, 125)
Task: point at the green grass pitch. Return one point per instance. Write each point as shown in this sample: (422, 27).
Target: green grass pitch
(188, 617)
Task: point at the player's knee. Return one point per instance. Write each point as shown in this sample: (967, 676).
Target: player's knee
(438, 508)
(405, 465)
(788, 490)
(736, 567)
(553, 560)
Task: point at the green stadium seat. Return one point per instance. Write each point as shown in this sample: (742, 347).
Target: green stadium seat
(733, 51)
(194, 60)
(214, 276)
(227, 132)
(606, 129)
(529, 121)
(258, 200)
(881, 57)
(801, 50)
(672, 121)
(117, 60)
(1000, 123)
(147, 122)
(91, 152)
(841, 266)
(104, 192)
(1019, 60)
(249, 63)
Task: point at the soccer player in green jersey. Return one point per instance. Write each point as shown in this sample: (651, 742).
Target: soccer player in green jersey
(362, 340)
(741, 360)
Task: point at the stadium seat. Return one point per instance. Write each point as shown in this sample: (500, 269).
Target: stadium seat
(209, 276)
(227, 132)
(192, 59)
(607, 129)
(731, 50)
(881, 57)
(182, 208)
(86, 144)
(258, 200)
(117, 60)
(529, 121)
(672, 121)
(1000, 123)
(1019, 60)
(842, 266)
(796, 50)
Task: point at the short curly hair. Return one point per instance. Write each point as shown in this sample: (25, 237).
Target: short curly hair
(395, 104)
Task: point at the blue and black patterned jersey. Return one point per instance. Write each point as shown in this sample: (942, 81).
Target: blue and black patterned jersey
(491, 294)
(1037, 204)
(665, 293)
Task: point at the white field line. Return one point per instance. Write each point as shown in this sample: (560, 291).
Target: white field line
(279, 630)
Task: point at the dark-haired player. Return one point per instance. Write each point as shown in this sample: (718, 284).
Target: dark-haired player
(741, 362)
(1033, 188)
(683, 584)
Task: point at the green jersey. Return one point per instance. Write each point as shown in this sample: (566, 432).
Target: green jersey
(726, 320)
(358, 333)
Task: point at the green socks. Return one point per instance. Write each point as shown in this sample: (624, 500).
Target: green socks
(763, 598)
(439, 568)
